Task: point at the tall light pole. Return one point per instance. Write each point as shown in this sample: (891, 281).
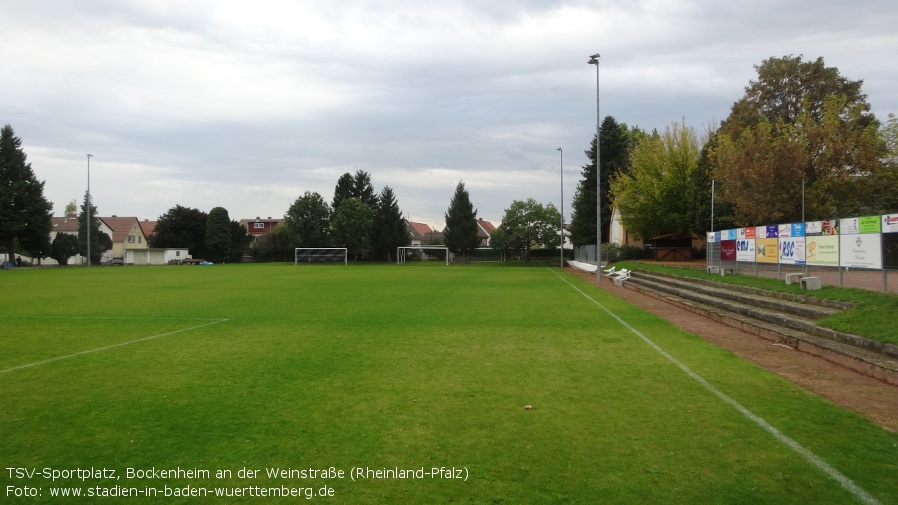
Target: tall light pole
(87, 223)
(561, 205)
(594, 60)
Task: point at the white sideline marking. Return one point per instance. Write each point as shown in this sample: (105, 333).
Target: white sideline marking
(113, 346)
(777, 434)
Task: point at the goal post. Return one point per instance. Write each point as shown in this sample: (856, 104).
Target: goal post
(403, 252)
(320, 255)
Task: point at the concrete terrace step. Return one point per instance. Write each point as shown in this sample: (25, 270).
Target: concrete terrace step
(773, 302)
(780, 317)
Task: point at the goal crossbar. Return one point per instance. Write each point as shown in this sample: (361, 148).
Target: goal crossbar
(402, 251)
(320, 254)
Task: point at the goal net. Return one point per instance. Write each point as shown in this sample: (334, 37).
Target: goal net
(422, 253)
(321, 255)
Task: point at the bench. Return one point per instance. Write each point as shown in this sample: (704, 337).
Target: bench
(620, 277)
(793, 278)
(810, 283)
(723, 271)
(713, 269)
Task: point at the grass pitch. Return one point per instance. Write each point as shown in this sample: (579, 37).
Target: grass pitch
(394, 371)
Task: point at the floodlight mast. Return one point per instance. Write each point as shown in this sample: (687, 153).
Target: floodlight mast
(89, 156)
(594, 60)
(561, 206)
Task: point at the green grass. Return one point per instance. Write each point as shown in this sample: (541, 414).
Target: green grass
(411, 366)
(873, 315)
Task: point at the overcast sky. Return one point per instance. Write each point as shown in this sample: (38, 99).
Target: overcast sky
(246, 105)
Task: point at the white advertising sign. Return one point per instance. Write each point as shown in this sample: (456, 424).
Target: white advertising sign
(860, 251)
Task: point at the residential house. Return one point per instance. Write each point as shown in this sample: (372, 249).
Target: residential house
(127, 234)
(69, 224)
(422, 234)
(258, 226)
(485, 230)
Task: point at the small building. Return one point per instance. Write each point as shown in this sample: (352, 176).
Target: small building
(156, 256)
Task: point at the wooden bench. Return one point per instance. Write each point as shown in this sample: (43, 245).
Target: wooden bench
(810, 283)
(794, 277)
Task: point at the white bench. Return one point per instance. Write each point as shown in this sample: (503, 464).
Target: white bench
(713, 269)
(724, 270)
(793, 278)
(810, 283)
(620, 277)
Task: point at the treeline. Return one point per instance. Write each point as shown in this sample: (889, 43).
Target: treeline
(369, 225)
(801, 144)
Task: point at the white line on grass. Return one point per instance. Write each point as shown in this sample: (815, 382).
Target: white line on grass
(113, 346)
(777, 434)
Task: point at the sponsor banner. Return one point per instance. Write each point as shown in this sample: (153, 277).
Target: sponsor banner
(791, 251)
(745, 250)
(890, 223)
(814, 228)
(798, 230)
(830, 227)
(728, 235)
(766, 250)
(860, 251)
(784, 230)
(713, 237)
(750, 232)
(866, 224)
(771, 231)
(728, 250)
(890, 251)
(822, 250)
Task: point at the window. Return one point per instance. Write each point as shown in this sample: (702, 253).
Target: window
(139, 239)
(177, 253)
(259, 226)
(130, 239)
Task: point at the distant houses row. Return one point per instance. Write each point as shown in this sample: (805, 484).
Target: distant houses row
(130, 244)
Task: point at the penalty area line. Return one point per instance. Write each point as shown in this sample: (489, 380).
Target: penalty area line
(112, 346)
(809, 456)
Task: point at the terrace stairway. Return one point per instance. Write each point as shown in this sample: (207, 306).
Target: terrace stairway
(784, 318)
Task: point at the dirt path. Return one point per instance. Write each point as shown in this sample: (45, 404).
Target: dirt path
(874, 399)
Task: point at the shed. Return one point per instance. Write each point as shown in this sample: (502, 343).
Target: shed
(671, 247)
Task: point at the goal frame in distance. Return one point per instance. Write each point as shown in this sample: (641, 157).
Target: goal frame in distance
(298, 249)
(402, 251)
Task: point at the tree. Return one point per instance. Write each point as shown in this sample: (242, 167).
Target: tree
(460, 234)
(354, 186)
(25, 214)
(218, 234)
(100, 242)
(658, 194)
(64, 246)
(351, 226)
(389, 229)
(617, 143)
(181, 227)
(799, 124)
(307, 221)
(240, 242)
(528, 224)
(343, 190)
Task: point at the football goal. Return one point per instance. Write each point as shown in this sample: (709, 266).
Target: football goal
(422, 252)
(321, 255)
